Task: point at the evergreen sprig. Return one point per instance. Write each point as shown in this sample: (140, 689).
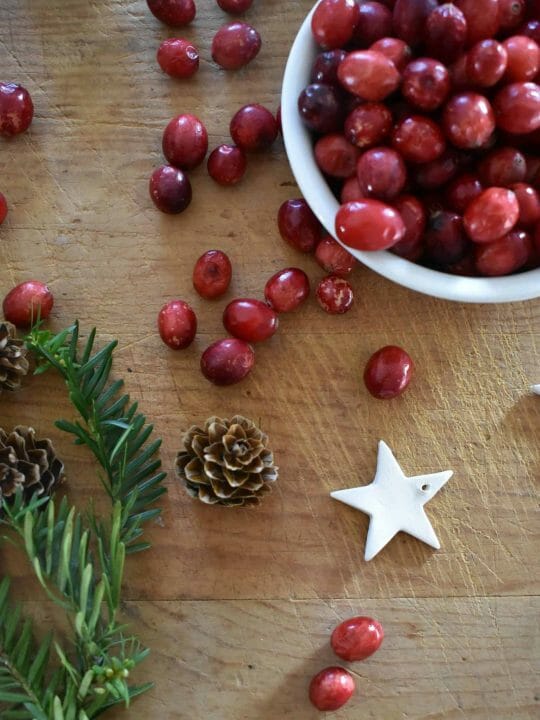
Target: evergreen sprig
(79, 559)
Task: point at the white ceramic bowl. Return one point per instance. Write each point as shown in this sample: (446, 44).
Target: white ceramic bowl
(298, 143)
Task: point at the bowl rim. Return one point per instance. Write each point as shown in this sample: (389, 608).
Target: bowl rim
(299, 148)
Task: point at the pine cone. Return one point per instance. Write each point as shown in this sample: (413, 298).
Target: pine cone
(28, 464)
(227, 462)
(13, 362)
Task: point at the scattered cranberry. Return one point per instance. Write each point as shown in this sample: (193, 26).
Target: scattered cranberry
(486, 63)
(320, 108)
(511, 13)
(333, 22)
(177, 324)
(331, 688)
(523, 58)
(462, 191)
(336, 156)
(482, 18)
(438, 172)
(419, 139)
(170, 189)
(178, 58)
(253, 128)
(298, 225)
(410, 18)
(227, 164)
(228, 361)
(185, 142)
(351, 190)
(235, 7)
(517, 108)
(446, 32)
(369, 225)
(381, 173)
(502, 167)
(504, 256)
(395, 50)
(374, 23)
(16, 109)
(491, 215)
(325, 67)
(235, 45)
(3, 208)
(333, 258)
(529, 204)
(357, 638)
(468, 120)
(28, 302)
(445, 240)
(173, 12)
(287, 289)
(388, 372)
(212, 274)
(413, 215)
(368, 124)
(250, 320)
(368, 74)
(426, 83)
(335, 295)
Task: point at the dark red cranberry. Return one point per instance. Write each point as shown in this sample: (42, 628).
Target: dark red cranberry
(426, 83)
(445, 239)
(468, 120)
(235, 7)
(395, 50)
(228, 361)
(336, 156)
(374, 23)
(410, 18)
(381, 173)
(173, 12)
(325, 67)
(446, 32)
(413, 215)
(298, 225)
(529, 204)
(335, 295)
(517, 108)
(185, 142)
(491, 215)
(504, 256)
(170, 189)
(368, 124)
(482, 18)
(28, 302)
(287, 289)
(502, 167)
(3, 208)
(250, 320)
(227, 164)
(486, 63)
(235, 45)
(523, 58)
(369, 225)
(388, 372)
(419, 139)
(462, 191)
(511, 13)
(368, 74)
(333, 258)
(177, 324)
(320, 108)
(16, 109)
(212, 274)
(333, 22)
(178, 58)
(253, 128)
(437, 173)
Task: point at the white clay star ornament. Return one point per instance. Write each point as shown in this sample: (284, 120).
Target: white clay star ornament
(535, 389)
(394, 502)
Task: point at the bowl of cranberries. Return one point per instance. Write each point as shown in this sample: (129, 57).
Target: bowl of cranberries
(413, 130)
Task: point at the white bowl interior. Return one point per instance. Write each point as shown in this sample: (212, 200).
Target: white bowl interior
(299, 146)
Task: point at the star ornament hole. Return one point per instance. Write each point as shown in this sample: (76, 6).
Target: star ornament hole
(425, 487)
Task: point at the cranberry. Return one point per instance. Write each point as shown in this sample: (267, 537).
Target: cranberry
(331, 688)
(511, 13)
(253, 128)
(227, 361)
(177, 324)
(426, 83)
(413, 214)
(173, 12)
(357, 638)
(462, 191)
(458, 74)
(235, 7)
(531, 29)
(333, 22)
(178, 58)
(250, 320)
(3, 208)
(298, 225)
(381, 173)
(369, 225)
(16, 109)
(287, 289)
(388, 372)
(374, 23)
(419, 139)
(333, 258)
(336, 156)
(351, 190)
(502, 167)
(320, 108)
(491, 215)
(446, 32)
(185, 142)
(235, 45)
(212, 274)
(465, 267)
(504, 256)
(170, 189)
(368, 74)
(410, 18)
(523, 58)
(325, 67)
(529, 203)
(227, 164)
(486, 63)
(517, 108)
(395, 50)
(28, 302)
(438, 172)
(335, 295)
(482, 18)
(445, 240)
(368, 124)
(468, 120)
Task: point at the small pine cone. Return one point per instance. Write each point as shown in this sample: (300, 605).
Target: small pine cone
(227, 462)
(27, 463)
(13, 362)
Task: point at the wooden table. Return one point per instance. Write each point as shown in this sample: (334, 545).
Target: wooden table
(238, 606)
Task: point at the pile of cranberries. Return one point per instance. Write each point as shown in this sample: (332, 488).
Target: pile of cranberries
(426, 120)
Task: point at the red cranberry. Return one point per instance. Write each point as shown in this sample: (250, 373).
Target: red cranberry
(253, 128)
(517, 108)
(336, 156)
(235, 45)
(250, 320)
(170, 189)
(502, 167)
(468, 120)
(331, 688)
(333, 22)
(504, 256)
(529, 204)
(410, 18)
(185, 142)
(426, 83)
(491, 215)
(419, 139)
(227, 361)
(368, 124)
(381, 173)
(298, 225)
(446, 32)
(531, 29)
(173, 12)
(458, 74)
(320, 108)
(28, 302)
(325, 67)
(368, 74)
(434, 174)
(177, 324)
(413, 214)
(445, 240)
(357, 638)
(16, 109)
(388, 372)
(462, 191)
(333, 258)
(395, 50)
(335, 295)
(3, 208)
(287, 289)
(523, 58)
(511, 13)
(235, 7)
(351, 190)
(178, 58)
(212, 274)
(486, 63)
(227, 164)
(374, 23)
(369, 225)
(482, 18)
